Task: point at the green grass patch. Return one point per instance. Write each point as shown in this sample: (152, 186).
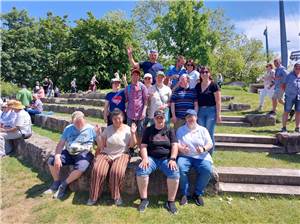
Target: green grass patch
(53, 135)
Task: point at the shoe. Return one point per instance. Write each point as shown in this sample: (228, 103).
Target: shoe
(60, 193)
(297, 130)
(91, 202)
(283, 130)
(259, 108)
(53, 188)
(143, 205)
(271, 113)
(171, 207)
(118, 202)
(184, 200)
(291, 115)
(199, 200)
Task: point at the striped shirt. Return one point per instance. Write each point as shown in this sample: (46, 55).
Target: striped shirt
(183, 100)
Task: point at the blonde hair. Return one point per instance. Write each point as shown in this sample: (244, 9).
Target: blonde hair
(77, 115)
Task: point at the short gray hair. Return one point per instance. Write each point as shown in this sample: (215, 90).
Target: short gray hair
(77, 115)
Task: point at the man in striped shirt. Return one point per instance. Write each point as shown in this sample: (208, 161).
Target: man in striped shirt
(182, 99)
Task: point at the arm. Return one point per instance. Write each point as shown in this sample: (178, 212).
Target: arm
(133, 139)
(124, 79)
(174, 119)
(196, 106)
(105, 111)
(144, 155)
(131, 60)
(218, 105)
(145, 99)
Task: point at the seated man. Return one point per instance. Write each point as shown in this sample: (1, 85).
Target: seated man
(35, 106)
(20, 128)
(74, 148)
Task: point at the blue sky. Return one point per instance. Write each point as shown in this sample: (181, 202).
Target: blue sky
(249, 17)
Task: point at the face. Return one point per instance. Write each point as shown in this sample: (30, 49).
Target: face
(189, 66)
(268, 67)
(117, 120)
(153, 56)
(116, 85)
(79, 123)
(180, 62)
(205, 74)
(297, 69)
(276, 63)
(160, 78)
(191, 119)
(135, 77)
(184, 82)
(159, 120)
(148, 80)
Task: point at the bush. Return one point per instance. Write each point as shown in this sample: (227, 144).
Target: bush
(8, 89)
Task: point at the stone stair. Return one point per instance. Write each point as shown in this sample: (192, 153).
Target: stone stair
(80, 101)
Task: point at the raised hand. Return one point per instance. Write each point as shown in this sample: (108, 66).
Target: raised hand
(133, 128)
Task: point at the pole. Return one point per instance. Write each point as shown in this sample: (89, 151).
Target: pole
(283, 41)
(267, 44)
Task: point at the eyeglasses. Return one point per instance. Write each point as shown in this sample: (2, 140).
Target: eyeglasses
(202, 72)
(159, 117)
(147, 78)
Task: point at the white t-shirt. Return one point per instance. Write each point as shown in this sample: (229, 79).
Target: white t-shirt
(193, 138)
(23, 121)
(193, 76)
(158, 97)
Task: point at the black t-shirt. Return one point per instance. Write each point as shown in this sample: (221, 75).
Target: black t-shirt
(207, 97)
(159, 142)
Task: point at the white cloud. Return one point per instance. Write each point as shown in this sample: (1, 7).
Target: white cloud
(254, 28)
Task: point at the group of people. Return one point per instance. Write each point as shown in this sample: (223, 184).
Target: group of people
(284, 88)
(141, 115)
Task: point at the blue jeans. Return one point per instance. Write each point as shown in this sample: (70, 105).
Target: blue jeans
(32, 111)
(203, 169)
(207, 117)
(161, 164)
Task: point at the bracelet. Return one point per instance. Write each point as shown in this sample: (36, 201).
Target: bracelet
(173, 159)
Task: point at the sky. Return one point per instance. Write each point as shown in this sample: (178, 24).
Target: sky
(249, 17)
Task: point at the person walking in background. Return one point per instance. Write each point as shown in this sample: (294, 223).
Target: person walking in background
(93, 84)
(46, 84)
(174, 73)
(192, 73)
(151, 66)
(220, 80)
(268, 89)
(73, 86)
(24, 95)
(291, 85)
(50, 91)
(209, 102)
(280, 74)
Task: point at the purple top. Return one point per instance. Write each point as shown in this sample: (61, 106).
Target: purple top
(136, 96)
(38, 105)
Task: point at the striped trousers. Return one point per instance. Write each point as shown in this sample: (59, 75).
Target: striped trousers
(116, 169)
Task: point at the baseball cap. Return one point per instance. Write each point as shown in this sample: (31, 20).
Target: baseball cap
(160, 73)
(147, 75)
(159, 113)
(115, 80)
(190, 112)
(153, 51)
(135, 70)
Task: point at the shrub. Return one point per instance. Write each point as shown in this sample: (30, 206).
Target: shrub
(8, 89)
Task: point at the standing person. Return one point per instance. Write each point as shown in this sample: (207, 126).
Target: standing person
(291, 85)
(151, 66)
(280, 74)
(220, 80)
(174, 72)
(148, 84)
(192, 73)
(73, 86)
(93, 84)
(160, 98)
(24, 95)
(112, 158)
(182, 99)
(114, 99)
(194, 142)
(37, 87)
(74, 148)
(46, 85)
(21, 128)
(137, 98)
(50, 88)
(158, 151)
(268, 89)
(209, 102)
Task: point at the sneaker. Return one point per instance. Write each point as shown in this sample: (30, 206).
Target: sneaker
(199, 200)
(143, 205)
(118, 202)
(184, 200)
(53, 188)
(60, 193)
(91, 202)
(272, 113)
(291, 115)
(297, 130)
(171, 207)
(283, 129)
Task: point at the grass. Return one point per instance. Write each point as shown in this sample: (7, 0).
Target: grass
(23, 202)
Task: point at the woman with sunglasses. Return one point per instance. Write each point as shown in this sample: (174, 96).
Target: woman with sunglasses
(193, 74)
(209, 102)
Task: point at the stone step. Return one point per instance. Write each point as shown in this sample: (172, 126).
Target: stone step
(249, 147)
(249, 175)
(227, 98)
(81, 101)
(238, 138)
(233, 118)
(235, 124)
(92, 95)
(87, 110)
(258, 188)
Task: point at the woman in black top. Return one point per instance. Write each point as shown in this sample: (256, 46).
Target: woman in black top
(209, 101)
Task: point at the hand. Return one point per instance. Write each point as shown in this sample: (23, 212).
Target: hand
(172, 165)
(105, 119)
(144, 164)
(57, 162)
(184, 148)
(124, 77)
(219, 119)
(143, 115)
(174, 119)
(129, 51)
(133, 128)
(98, 129)
(199, 149)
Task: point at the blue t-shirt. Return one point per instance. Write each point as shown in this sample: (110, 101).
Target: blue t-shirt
(173, 71)
(152, 68)
(116, 100)
(292, 85)
(280, 74)
(78, 140)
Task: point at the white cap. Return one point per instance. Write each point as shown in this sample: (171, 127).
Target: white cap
(148, 75)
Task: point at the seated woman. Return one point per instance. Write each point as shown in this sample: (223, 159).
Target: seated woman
(112, 158)
(158, 151)
(36, 106)
(194, 143)
(8, 116)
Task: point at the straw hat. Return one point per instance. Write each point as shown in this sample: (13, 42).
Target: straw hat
(17, 105)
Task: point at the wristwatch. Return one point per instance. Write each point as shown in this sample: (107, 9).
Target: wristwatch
(204, 149)
(173, 159)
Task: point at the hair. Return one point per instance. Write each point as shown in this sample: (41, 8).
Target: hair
(190, 61)
(180, 57)
(202, 68)
(77, 115)
(278, 60)
(269, 64)
(116, 112)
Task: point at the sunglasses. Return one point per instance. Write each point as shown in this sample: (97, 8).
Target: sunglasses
(159, 117)
(147, 78)
(204, 72)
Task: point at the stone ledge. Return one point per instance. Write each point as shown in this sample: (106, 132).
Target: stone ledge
(83, 101)
(290, 142)
(260, 120)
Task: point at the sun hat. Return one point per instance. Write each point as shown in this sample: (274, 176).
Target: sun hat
(17, 105)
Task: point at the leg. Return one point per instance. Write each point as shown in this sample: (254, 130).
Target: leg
(203, 169)
(172, 188)
(210, 125)
(117, 174)
(288, 105)
(297, 119)
(274, 104)
(184, 167)
(99, 173)
(262, 96)
(201, 117)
